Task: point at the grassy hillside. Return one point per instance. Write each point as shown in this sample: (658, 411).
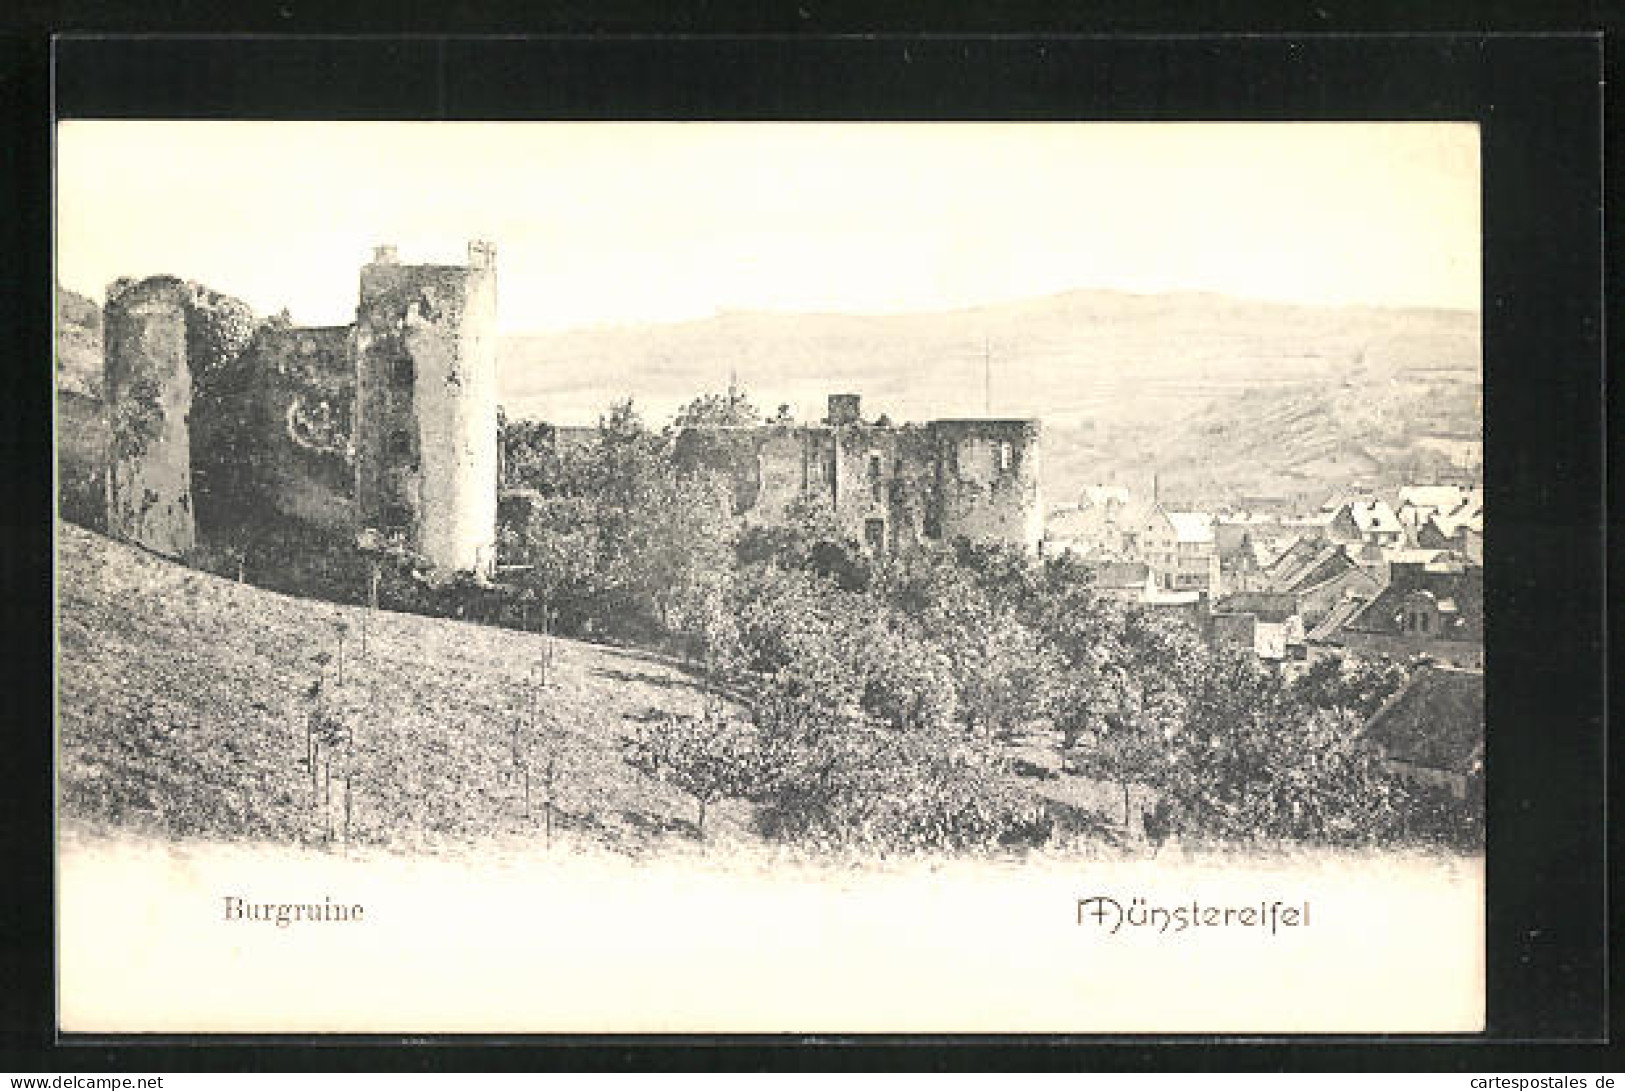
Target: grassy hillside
(182, 711)
(183, 707)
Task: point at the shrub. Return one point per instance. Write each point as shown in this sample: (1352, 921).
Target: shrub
(909, 681)
(1250, 763)
(708, 757)
(889, 791)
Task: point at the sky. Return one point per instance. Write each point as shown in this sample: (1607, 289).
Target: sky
(623, 223)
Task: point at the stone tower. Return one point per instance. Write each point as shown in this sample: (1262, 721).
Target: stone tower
(426, 407)
(147, 379)
(988, 480)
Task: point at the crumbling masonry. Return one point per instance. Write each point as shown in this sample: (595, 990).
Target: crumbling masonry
(388, 428)
(147, 380)
(892, 488)
(389, 425)
(426, 406)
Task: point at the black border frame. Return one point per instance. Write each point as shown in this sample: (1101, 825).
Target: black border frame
(1538, 98)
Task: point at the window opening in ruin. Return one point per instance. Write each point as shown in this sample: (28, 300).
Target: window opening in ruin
(397, 517)
(874, 534)
(402, 372)
(1007, 454)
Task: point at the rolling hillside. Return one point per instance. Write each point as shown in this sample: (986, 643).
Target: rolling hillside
(182, 711)
(1215, 394)
(183, 701)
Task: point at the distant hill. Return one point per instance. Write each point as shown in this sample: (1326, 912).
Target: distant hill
(1213, 394)
(1216, 396)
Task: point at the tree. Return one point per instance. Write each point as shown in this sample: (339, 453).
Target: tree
(809, 538)
(619, 541)
(909, 681)
(1007, 676)
(1359, 685)
(732, 409)
(708, 757)
(1252, 762)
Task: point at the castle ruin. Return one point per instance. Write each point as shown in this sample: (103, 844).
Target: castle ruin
(892, 488)
(387, 425)
(147, 380)
(387, 429)
(426, 406)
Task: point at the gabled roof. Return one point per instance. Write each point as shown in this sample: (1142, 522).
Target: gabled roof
(1267, 606)
(1436, 497)
(1463, 586)
(1266, 551)
(1339, 615)
(1413, 556)
(1436, 721)
(1309, 561)
(1191, 526)
(1373, 516)
(1463, 517)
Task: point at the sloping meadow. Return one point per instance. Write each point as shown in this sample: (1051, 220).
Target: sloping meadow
(190, 705)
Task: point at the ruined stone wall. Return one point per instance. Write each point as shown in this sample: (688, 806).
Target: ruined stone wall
(885, 482)
(913, 494)
(893, 488)
(769, 467)
(300, 386)
(147, 380)
(789, 466)
(426, 409)
(874, 478)
(988, 480)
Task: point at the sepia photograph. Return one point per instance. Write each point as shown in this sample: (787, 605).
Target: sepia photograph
(792, 577)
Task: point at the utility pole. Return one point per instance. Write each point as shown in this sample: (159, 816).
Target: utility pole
(987, 376)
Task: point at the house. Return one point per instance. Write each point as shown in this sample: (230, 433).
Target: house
(1100, 524)
(1181, 549)
(1432, 607)
(1153, 594)
(1432, 731)
(1248, 542)
(1266, 623)
(1134, 583)
(1123, 581)
(1066, 531)
(1369, 520)
(1320, 575)
(1455, 529)
(1417, 502)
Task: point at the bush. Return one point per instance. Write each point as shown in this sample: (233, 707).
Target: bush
(909, 681)
(708, 757)
(1249, 763)
(884, 790)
